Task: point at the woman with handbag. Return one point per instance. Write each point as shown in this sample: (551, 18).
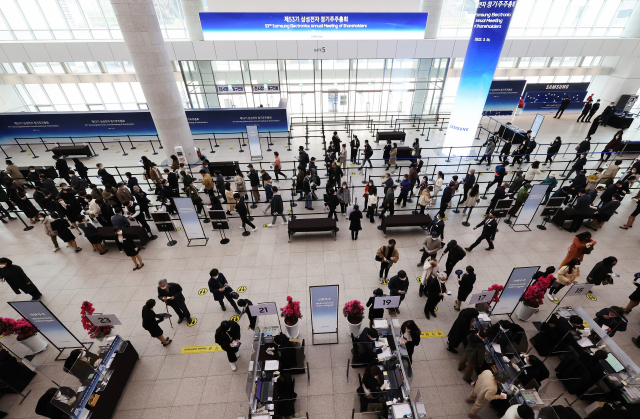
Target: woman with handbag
(582, 245)
(567, 275)
(125, 243)
(602, 273)
(370, 189)
(387, 256)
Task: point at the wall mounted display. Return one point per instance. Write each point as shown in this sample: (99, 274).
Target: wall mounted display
(503, 97)
(540, 97)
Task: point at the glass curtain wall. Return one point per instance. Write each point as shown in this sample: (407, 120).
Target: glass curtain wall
(376, 87)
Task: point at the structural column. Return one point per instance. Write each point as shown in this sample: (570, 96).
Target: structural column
(434, 8)
(192, 9)
(141, 32)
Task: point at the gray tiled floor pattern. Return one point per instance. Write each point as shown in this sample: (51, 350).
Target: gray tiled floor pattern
(166, 384)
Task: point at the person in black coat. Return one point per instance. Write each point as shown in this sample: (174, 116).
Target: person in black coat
(284, 351)
(435, 290)
(398, 286)
(171, 294)
(150, 322)
(456, 254)
(460, 328)
(81, 169)
(552, 150)
(245, 304)
(593, 110)
(62, 167)
(373, 382)
(17, 279)
(447, 195)
(355, 222)
(585, 112)
(563, 106)
(500, 193)
(172, 178)
(581, 208)
(284, 396)
(220, 290)
(105, 177)
(437, 226)
(375, 313)
(243, 211)
(228, 337)
(465, 286)
(61, 227)
(612, 320)
(579, 182)
(489, 228)
(366, 347)
(332, 203)
(534, 370)
(410, 337)
(127, 245)
(583, 147)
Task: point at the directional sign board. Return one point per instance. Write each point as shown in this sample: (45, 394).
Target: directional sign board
(481, 297)
(263, 309)
(387, 302)
(103, 319)
(579, 289)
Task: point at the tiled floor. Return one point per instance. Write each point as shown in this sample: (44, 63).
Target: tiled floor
(166, 384)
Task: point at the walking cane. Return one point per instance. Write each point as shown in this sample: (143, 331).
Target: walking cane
(167, 307)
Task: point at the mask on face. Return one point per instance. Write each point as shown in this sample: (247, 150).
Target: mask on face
(32, 170)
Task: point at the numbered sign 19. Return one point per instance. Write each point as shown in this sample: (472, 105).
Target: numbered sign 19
(263, 309)
(103, 319)
(579, 289)
(387, 302)
(481, 297)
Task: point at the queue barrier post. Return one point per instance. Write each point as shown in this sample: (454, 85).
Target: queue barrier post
(5, 153)
(124, 153)
(240, 144)
(153, 148)
(22, 150)
(104, 147)
(44, 144)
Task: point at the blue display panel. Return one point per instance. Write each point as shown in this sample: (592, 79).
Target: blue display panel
(483, 53)
(539, 97)
(504, 96)
(279, 26)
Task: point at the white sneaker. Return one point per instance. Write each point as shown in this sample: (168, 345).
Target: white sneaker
(254, 230)
(269, 225)
(240, 227)
(56, 249)
(233, 366)
(237, 354)
(284, 223)
(550, 297)
(67, 245)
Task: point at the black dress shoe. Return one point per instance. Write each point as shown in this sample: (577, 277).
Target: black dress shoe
(433, 313)
(427, 314)
(454, 351)
(180, 320)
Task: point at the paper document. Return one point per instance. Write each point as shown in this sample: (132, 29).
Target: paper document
(496, 347)
(483, 317)
(585, 342)
(271, 365)
(380, 323)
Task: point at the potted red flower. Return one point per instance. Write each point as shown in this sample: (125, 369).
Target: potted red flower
(7, 326)
(533, 297)
(291, 313)
(27, 335)
(94, 332)
(497, 291)
(354, 312)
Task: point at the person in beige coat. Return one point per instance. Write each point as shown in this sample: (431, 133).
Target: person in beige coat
(387, 256)
(14, 172)
(342, 158)
(610, 173)
(485, 390)
(594, 179)
(51, 232)
(124, 194)
(568, 274)
(230, 199)
(393, 155)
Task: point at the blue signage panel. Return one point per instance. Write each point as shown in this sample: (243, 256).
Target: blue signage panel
(278, 26)
(189, 218)
(547, 96)
(530, 206)
(47, 323)
(93, 124)
(516, 284)
(324, 308)
(504, 96)
(487, 38)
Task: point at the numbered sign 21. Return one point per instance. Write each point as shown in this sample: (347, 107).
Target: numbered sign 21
(263, 309)
(387, 302)
(103, 319)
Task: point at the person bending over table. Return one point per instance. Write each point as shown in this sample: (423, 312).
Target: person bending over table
(366, 345)
(372, 387)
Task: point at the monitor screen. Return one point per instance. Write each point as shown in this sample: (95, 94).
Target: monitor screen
(614, 363)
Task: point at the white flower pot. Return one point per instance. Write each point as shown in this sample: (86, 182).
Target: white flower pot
(354, 329)
(35, 344)
(525, 312)
(292, 331)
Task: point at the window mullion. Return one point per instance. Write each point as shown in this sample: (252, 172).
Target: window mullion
(6, 23)
(33, 35)
(46, 22)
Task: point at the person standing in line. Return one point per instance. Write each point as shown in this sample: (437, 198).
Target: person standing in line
(472, 200)
(489, 227)
(127, 245)
(355, 224)
(372, 204)
(437, 184)
(123, 194)
(593, 180)
(61, 227)
(430, 270)
(344, 196)
(63, 168)
(220, 289)
(447, 196)
(612, 146)
(532, 171)
(604, 213)
(586, 109)
(368, 152)
(468, 182)
(581, 242)
(487, 386)
(254, 181)
(13, 171)
(563, 106)
(410, 337)
(342, 157)
(393, 156)
(307, 191)
(17, 279)
(303, 159)
(435, 290)
(228, 337)
(610, 173)
(456, 254)
(19, 199)
(490, 146)
(386, 154)
(387, 256)
(593, 110)
(405, 188)
(239, 182)
(355, 145)
(465, 286)
(246, 304)
(190, 191)
(108, 179)
(91, 233)
(231, 202)
(520, 198)
(432, 244)
(277, 208)
(552, 182)
(424, 196)
(552, 150)
(505, 152)
(568, 274)
(150, 322)
(51, 232)
(606, 114)
(387, 202)
(277, 166)
(171, 294)
(414, 176)
(172, 178)
(581, 208)
(207, 183)
(398, 286)
(243, 211)
(473, 357)
(219, 180)
(437, 225)
(531, 146)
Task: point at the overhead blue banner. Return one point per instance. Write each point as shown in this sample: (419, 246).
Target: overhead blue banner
(540, 97)
(279, 26)
(58, 125)
(504, 96)
(483, 53)
(517, 283)
(324, 308)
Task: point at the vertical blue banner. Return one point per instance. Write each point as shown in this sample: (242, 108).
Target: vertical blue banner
(517, 283)
(324, 308)
(487, 38)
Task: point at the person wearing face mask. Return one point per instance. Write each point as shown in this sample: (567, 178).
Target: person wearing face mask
(410, 337)
(612, 320)
(33, 177)
(171, 294)
(344, 196)
(105, 177)
(220, 289)
(435, 289)
(387, 256)
(568, 274)
(370, 189)
(150, 322)
(61, 228)
(125, 243)
(473, 357)
(533, 370)
(17, 279)
(465, 286)
(62, 167)
(91, 233)
(375, 313)
(430, 269)
(228, 337)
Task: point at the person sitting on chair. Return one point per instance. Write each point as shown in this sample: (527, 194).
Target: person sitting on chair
(366, 345)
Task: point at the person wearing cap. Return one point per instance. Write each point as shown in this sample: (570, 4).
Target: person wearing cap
(489, 228)
(605, 212)
(447, 196)
(552, 182)
(171, 294)
(430, 247)
(581, 210)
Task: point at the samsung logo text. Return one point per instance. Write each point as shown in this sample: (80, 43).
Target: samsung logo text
(458, 128)
(557, 86)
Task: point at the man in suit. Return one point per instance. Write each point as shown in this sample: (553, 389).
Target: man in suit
(563, 106)
(131, 180)
(303, 158)
(172, 178)
(219, 287)
(307, 191)
(578, 182)
(48, 186)
(437, 226)
(468, 182)
(62, 167)
(581, 208)
(489, 227)
(368, 152)
(585, 112)
(355, 145)
(606, 114)
(435, 290)
(120, 221)
(171, 294)
(366, 345)
(593, 110)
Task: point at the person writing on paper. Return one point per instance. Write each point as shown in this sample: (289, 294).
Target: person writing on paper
(150, 322)
(367, 350)
(373, 385)
(485, 390)
(228, 337)
(410, 337)
(533, 370)
(519, 411)
(283, 350)
(220, 289)
(473, 357)
(612, 320)
(375, 313)
(398, 286)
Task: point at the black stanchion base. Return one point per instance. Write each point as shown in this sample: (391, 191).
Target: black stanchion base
(379, 227)
(206, 221)
(253, 206)
(457, 211)
(218, 145)
(22, 151)
(483, 197)
(241, 151)
(250, 218)
(541, 227)
(466, 224)
(172, 243)
(293, 204)
(246, 233)
(27, 228)
(224, 241)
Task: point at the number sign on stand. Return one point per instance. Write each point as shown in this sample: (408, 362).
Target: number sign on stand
(263, 309)
(103, 319)
(387, 302)
(481, 297)
(579, 289)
